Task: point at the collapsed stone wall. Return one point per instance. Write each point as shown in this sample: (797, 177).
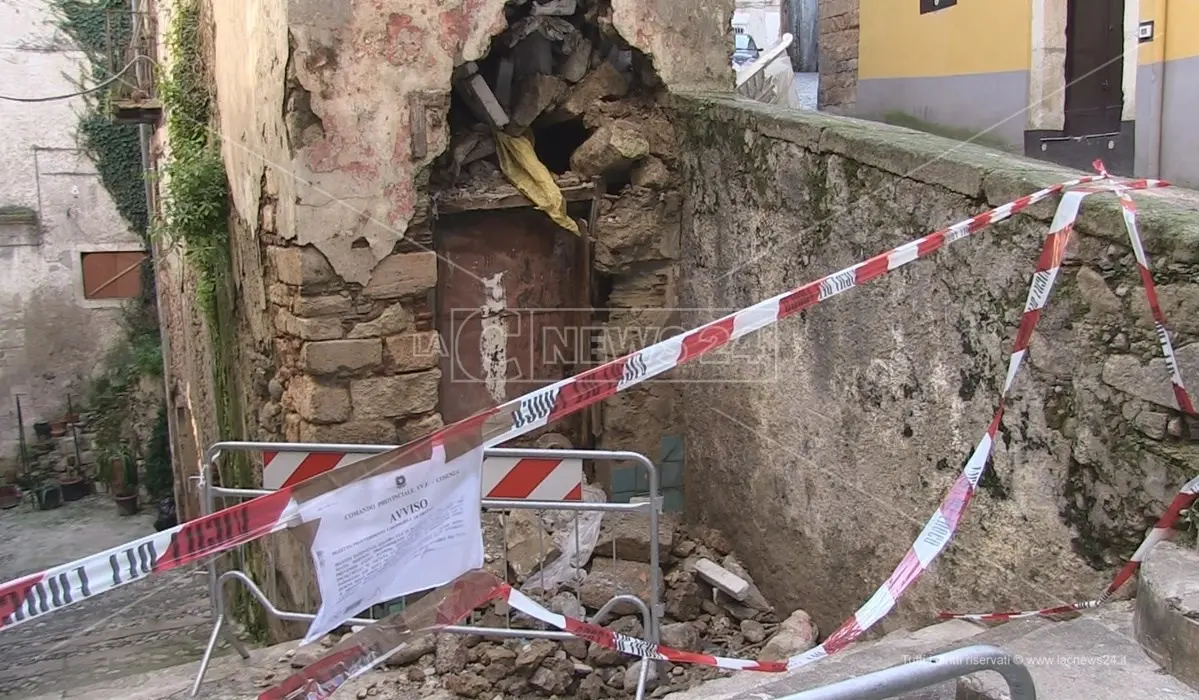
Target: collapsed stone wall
(336, 123)
(881, 393)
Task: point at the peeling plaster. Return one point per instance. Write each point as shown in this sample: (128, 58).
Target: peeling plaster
(493, 340)
(358, 180)
(690, 42)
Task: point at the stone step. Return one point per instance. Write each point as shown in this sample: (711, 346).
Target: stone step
(895, 648)
(1092, 657)
(1166, 619)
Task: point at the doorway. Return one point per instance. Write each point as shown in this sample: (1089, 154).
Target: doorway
(508, 297)
(1079, 87)
(1094, 67)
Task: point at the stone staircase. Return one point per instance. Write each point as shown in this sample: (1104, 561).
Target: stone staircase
(1147, 649)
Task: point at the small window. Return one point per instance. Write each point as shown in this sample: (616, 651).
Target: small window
(113, 275)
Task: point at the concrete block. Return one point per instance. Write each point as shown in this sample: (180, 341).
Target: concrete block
(604, 81)
(560, 8)
(394, 397)
(612, 147)
(402, 275)
(320, 402)
(300, 265)
(328, 305)
(1167, 610)
(363, 432)
(308, 328)
(413, 352)
(536, 94)
(722, 579)
(482, 101)
(574, 67)
(333, 356)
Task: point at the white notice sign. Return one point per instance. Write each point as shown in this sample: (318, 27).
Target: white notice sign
(395, 534)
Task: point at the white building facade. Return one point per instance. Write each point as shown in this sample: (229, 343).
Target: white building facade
(68, 260)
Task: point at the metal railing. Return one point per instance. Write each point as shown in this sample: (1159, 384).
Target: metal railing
(905, 678)
(650, 614)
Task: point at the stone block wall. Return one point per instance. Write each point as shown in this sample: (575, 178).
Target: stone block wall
(354, 365)
(838, 56)
(882, 392)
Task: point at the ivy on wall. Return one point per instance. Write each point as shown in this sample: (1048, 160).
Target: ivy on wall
(196, 192)
(195, 218)
(97, 27)
(100, 29)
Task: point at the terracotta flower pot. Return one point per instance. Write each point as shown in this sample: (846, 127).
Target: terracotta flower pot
(74, 488)
(127, 505)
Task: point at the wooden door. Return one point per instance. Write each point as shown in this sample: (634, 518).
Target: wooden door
(508, 286)
(1094, 66)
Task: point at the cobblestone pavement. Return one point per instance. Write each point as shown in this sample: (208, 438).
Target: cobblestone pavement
(806, 86)
(148, 625)
(231, 678)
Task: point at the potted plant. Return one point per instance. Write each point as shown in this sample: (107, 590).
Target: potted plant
(10, 489)
(74, 486)
(121, 475)
(45, 492)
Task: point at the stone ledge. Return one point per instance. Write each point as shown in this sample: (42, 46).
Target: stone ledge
(1092, 657)
(1167, 610)
(1168, 219)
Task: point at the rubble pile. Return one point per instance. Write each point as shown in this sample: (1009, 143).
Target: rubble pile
(711, 605)
(561, 76)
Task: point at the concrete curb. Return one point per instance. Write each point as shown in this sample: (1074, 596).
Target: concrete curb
(1166, 620)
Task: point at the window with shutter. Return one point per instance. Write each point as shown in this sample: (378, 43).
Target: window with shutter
(112, 274)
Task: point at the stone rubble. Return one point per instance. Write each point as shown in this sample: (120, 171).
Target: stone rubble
(699, 617)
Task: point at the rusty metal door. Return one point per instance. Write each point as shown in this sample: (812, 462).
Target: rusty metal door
(508, 290)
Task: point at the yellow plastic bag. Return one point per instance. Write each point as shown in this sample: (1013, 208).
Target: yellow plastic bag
(522, 167)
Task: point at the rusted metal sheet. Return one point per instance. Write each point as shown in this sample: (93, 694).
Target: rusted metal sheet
(507, 300)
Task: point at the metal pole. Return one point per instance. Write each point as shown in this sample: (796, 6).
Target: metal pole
(21, 435)
(897, 680)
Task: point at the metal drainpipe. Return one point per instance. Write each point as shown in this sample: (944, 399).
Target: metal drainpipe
(1161, 86)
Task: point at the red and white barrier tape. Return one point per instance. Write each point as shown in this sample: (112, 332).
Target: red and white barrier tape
(521, 478)
(45, 592)
(1164, 528)
(940, 529)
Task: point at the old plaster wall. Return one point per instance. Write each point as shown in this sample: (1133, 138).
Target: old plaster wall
(50, 336)
(881, 393)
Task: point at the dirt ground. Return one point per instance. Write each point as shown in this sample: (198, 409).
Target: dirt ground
(152, 624)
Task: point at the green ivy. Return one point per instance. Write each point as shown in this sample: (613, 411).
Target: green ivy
(196, 191)
(160, 477)
(100, 28)
(103, 28)
(195, 219)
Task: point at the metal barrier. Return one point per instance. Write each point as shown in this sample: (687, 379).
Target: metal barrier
(650, 614)
(905, 678)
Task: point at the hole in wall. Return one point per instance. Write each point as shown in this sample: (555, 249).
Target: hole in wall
(555, 143)
(558, 75)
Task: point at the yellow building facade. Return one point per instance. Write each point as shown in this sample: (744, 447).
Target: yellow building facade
(1063, 80)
